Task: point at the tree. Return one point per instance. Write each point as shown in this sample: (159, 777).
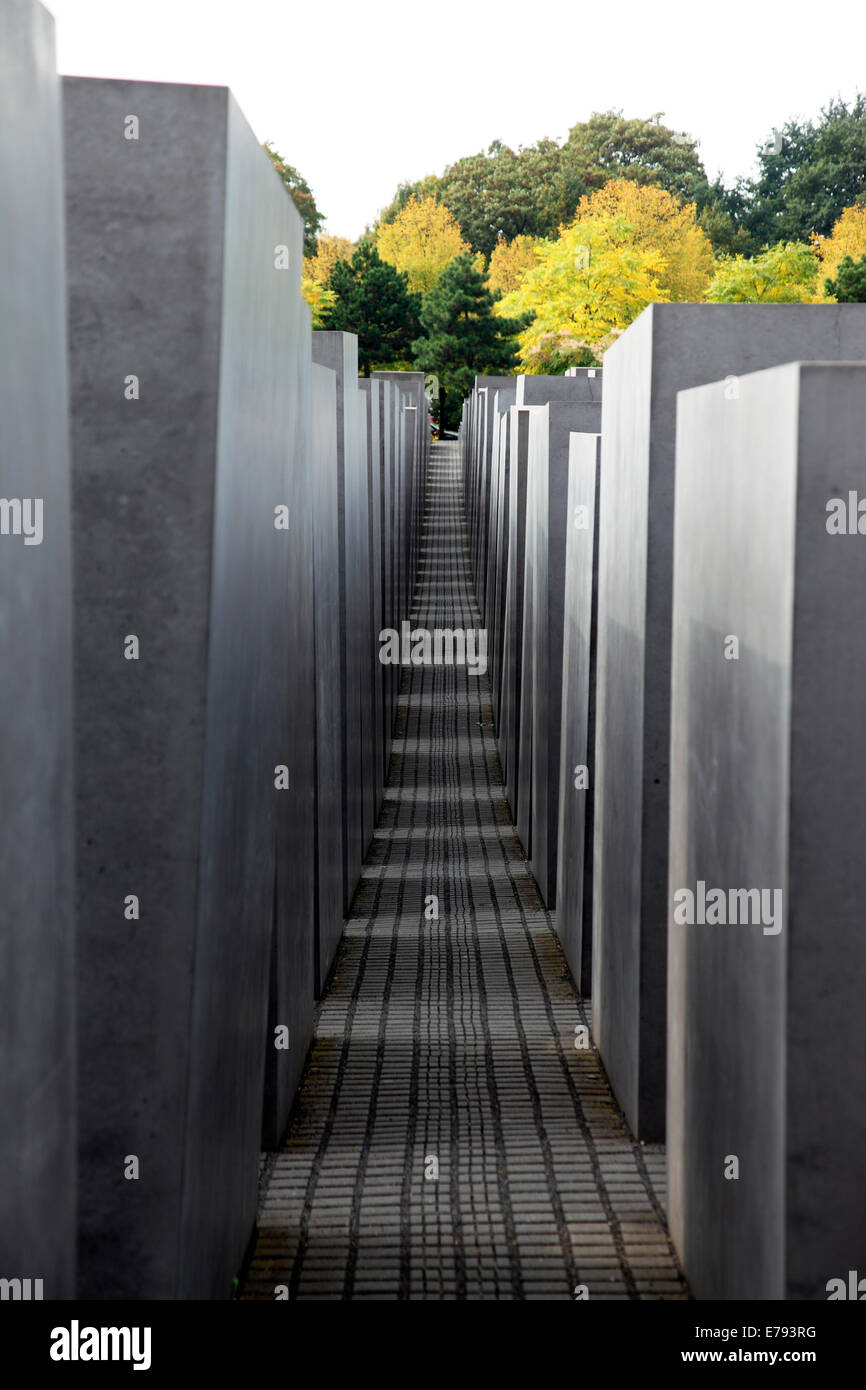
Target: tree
(848, 239)
(849, 287)
(510, 262)
(421, 241)
(464, 336)
(372, 299)
(329, 250)
(782, 274)
(505, 194)
(809, 173)
(658, 222)
(609, 145)
(319, 298)
(589, 284)
(301, 196)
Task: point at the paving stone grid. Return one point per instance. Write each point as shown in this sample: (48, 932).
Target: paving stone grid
(453, 1039)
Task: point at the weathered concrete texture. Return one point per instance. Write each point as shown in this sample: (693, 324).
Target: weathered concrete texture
(175, 543)
(767, 1033)
(550, 430)
(37, 970)
(329, 784)
(339, 351)
(508, 729)
(669, 348)
(577, 741)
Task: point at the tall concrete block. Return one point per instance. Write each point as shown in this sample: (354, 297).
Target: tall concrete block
(183, 340)
(488, 385)
(329, 647)
(577, 740)
(37, 952)
(339, 351)
(500, 568)
(767, 1030)
(550, 429)
(374, 391)
(512, 635)
(387, 402)
(502, 402)
(293, 944)
(669, 348)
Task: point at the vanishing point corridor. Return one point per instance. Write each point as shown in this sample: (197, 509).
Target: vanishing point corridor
(449, 1139)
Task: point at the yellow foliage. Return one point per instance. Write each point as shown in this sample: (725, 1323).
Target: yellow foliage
(661, 223)
(319, 298)
(588, 285)
(422, 240)
(848, 238)
(329, 250)
(509, 263)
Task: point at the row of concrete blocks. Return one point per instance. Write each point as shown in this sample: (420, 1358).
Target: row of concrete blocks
(194, 727)
(680, 673)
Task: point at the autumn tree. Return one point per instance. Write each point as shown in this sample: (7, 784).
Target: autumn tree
(848, 238)
(659, 222)
(783, 274)
(589, 284)
(319, 298)
(329, 250)
(421, 241)
(510, 262)
(373, 300)
(463, 335)
(302, 197)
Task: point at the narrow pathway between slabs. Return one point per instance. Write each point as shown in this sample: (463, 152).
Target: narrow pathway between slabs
(449, 1043)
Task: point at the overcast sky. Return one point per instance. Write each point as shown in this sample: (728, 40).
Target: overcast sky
(362, 97)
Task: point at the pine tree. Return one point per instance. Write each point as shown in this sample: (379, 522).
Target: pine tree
(464, 336)
(849, 287)
(374, 301)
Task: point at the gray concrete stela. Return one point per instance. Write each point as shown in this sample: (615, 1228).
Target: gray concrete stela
(449, 1139)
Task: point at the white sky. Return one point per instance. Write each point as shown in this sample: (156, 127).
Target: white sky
(360, 97)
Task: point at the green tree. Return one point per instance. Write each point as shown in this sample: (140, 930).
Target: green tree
(809, 173)
(849, 287)
(782, 274)
(373, 300)
(609, 145)
(464, 336)
(302, 197)
(505, 193)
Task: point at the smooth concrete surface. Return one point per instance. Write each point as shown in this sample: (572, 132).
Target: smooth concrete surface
(37, 940)
(339, 351)
(500, 568)
(670, 347)
(767, 1033)
(577, 740)
(550, 430)
(582, 388)
(293, 945)
(373, 669)
(512, 637)
(329, 783)
(175, 542)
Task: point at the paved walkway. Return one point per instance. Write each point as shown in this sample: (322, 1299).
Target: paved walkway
(449, 1140)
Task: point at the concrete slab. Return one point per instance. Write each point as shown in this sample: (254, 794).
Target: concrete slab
(508, 732)
(669, 348)
(584, 386)
(37, 940)
(767, 746)
(577, 740)
(177, 477)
